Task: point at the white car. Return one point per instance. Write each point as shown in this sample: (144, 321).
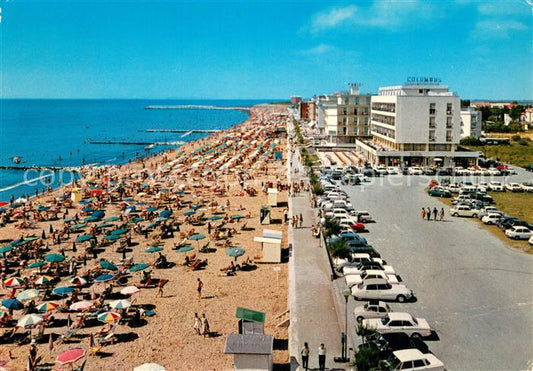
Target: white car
(414, 359)
(518, 233)
(491, 218)
(380, 289)
(495, 186)
(454, 188)
(514, 187)
(464, 210)
(372, 309)
(354, 279)
(393, 170)
(489, 210)
(399, 322)
(530, 241)
(494, 171)
(527, 186)
(415, 171)
(356, 269)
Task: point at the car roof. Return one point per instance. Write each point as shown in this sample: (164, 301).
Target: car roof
(400, 316)
(376, 281)
(406, 355)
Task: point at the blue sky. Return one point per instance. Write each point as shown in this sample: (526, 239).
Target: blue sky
(260, 49)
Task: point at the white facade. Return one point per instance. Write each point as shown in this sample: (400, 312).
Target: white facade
(470, 122)
(415, 124)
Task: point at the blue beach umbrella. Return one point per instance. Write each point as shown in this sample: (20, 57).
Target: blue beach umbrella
(120, 231)
(63, 290)
(84, 237)
(37, 264)
(12, 304)
(108, 265)
(235, 251)
(54, 258)
(151, 209)
(139, 267)
(165, 214)
(184, 248)
(5, 249)
(215, 217)
(104, 278)
(189, 213)
(154, 249)
(112, 219)
(112, 237)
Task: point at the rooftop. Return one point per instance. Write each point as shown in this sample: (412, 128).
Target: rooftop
(249, 344)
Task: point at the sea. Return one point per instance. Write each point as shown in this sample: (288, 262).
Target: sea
(61, 133)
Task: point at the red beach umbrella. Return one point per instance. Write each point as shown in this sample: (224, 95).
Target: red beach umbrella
(70, 356)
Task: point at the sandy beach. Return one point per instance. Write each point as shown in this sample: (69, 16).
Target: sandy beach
(217, 182)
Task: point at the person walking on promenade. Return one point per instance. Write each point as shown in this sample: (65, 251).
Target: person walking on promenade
(301, 220)
(305, 356)
(423, 214)
(428, 214)
(435, 213)
(286, 215)
(322, 357)
(199, 288)
(441, 214)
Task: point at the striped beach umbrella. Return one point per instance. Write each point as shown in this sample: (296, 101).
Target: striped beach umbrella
(27, 294)
(14, 282)
(109, 317)
(120, 304)
(42, 280)
(12, 304)
(78, 281)
(30, 320)
(48, 306)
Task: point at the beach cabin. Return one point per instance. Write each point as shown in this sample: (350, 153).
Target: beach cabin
(264, 215)
(250, 352)
(270, 246)
(272, 196)
(251, 322)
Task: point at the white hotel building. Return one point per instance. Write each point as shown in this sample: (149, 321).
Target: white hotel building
(415, 125)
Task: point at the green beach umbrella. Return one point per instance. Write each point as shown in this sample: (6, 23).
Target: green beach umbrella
(215, 217)
(112, 219)
(112, 237)
(120, 231)
(235, 252)
(184, 248)
(237, 217)
(37, 264)
(77, 226)
(139, 267)
(105, 225)
(108, 265)
(54, 258)
(5, 249)
(154, 249)
(84, 237)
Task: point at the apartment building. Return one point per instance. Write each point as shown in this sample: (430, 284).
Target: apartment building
(470, 122)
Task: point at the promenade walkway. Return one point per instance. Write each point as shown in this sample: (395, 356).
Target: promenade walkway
(314, 316)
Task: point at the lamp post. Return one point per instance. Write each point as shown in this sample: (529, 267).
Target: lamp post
(344, 335)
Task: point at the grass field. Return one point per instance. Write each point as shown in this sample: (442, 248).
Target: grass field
(514, 154)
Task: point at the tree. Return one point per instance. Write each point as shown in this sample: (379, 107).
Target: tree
(516, 112)
(339, 249)
(331, 227)
(485, 113)
(465, 102)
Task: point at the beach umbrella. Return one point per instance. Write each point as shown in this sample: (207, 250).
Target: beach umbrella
(149, 367)
(197, 237)
(30, 320)
(139, 267)
(151, 209)
(37, 264)
(77, 226)
(43, 208)
(136, 220)
(184, 248)
(108, 317)
(130, 290)
(81, 305)
(54, 258)
(104, 278)
(105, 225)
(67, 220)
(112, 219)
(108, 265)
(78, 281)
(154, 249)
(41, 280)
(47, 307)
(87, 210)
(12, 304)
(27, 294)
(215, 217)
(98, 214)
(3, 203)
(84, 237)
(150, 226)
(235, 252)
(112, 237)
(5, 249)
(120, 231)
(120, 304)
(189, 213)
(63, 290)
(14, 282)
(70, 356)
(165, 214)
(237, 217)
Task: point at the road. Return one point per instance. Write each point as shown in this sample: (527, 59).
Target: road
(473, 290)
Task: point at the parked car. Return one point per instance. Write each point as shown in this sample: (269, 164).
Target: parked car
(399, 322)
(492, 218)
(385, 344)
(429, 171)
(372, 309)
(495, 186)
(380, 289)
(527, 186)
(439, 192)
(454, 188)
(518, 233)
(363, 248)
(354, 279)
(529, 167)
(489, 210)
(508, 223)
(514, 187)
(414, 170)
(414, 359)
(363, 216)
(530, 241)
(363, 266)
(464, 210)
(393, 170)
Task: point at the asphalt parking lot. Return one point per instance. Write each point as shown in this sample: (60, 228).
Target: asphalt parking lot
(475, 292)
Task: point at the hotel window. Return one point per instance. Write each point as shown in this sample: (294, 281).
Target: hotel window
(449, 136)
(355, 111)
(449, 110)
(344, 131)
(431, 135)
(448, 122)
(432, 109)
(356, 100)
(432, 122)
